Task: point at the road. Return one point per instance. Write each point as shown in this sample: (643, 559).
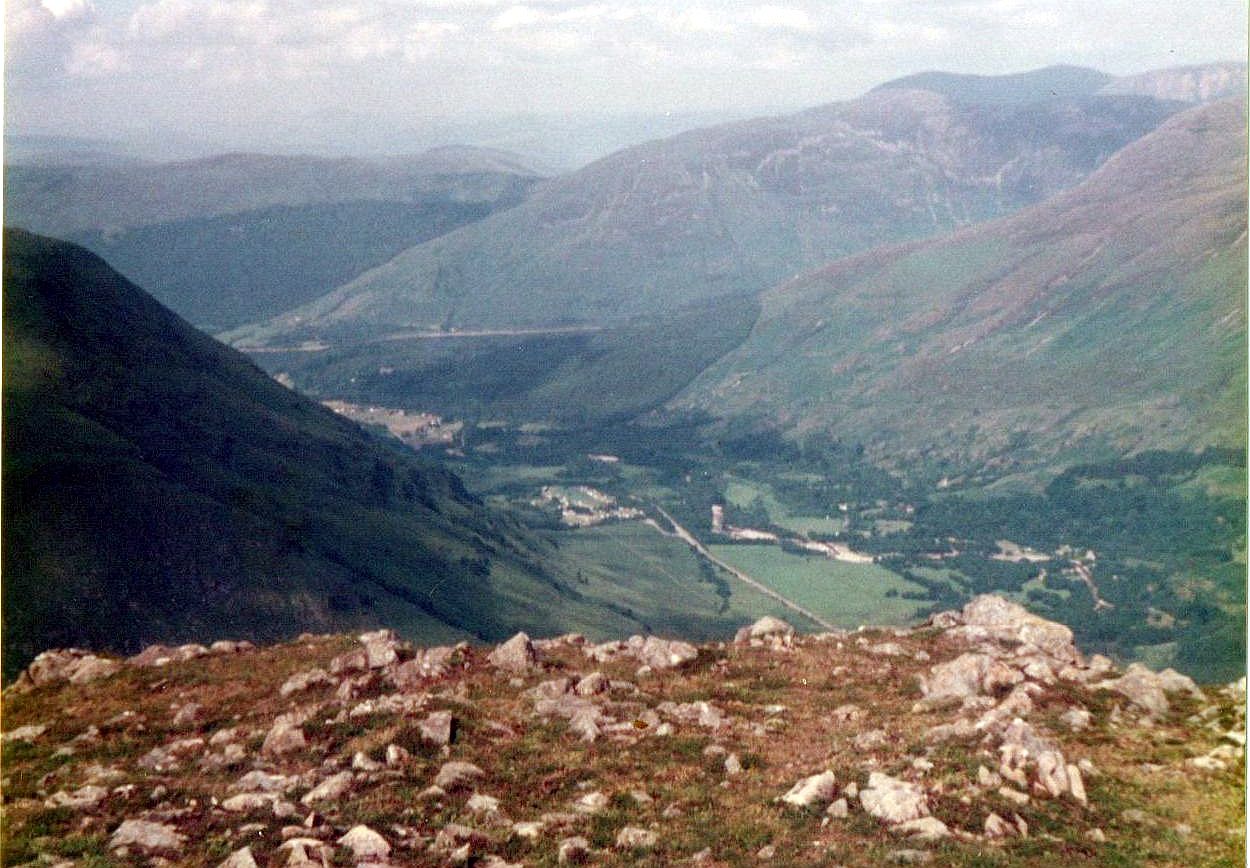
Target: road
(689, 539)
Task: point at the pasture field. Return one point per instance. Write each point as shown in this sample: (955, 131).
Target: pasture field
(846, 594)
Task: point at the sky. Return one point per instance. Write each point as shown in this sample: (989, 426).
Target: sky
(326, 75)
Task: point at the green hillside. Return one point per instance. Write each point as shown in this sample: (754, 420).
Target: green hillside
(730, 210)
(1107, 320)
(224, 270)
(157, 486)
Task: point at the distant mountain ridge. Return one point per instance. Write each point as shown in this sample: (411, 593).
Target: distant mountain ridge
(1052, 82)
(64, 200)
(1113, 315)
(733, 209)
(1191, 84)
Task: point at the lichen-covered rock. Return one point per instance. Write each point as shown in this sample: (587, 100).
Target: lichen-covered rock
(305, 680)
(239, 859)
(763, 628)
(989, 616)
(968, 675)
(893, 801)
(516, 655)
(634, 838)
(1148, 690)
(456, 774)
(65, 664)
(365, 844)
(813, 791)
(148, 836)
(438, 728)
(331, 789)
(665, 653)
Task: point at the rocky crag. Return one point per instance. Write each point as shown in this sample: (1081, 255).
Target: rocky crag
(983, 737)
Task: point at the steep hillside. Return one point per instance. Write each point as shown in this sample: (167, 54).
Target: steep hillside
(984, 738)
(158, 486)
(225, 270)
(732, 209)
(1112, 315)
(67, 200)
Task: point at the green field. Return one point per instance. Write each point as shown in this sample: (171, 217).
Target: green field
(742, 493)
(846, 594)
(635, 570)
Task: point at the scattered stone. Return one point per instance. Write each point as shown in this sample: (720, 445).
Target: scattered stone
(65, 664)
(362, 763)
(1148, 690)
(383, 648)
(887, 649)
(396, 755)
(515, 655)
(25, 733)
(1076, 719)
(81, 799)
(573, 851)
(480, 803)
(634, 838)
(733, 765)
(997, 827)
(284, 737)
(438, 728)
(909, 857)
(893, 801)
(148, 836)
(239, 859)
(365, 844)
(188, 715)
(331, 789)
(530, 830)
(1097, 835)
(815, 790)
(265, 782)
(768, 851)
(1015, 796)
(665, 654)
(454, 775)
(838, 810)
(592, 685)
(870, 740)
(590, 803)
(307, 680)
(926, 829)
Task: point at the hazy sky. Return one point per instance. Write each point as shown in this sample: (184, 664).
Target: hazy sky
(226, 69)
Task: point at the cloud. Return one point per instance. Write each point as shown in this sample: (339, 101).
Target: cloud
(778, 18)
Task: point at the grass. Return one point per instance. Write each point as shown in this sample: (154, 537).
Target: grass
(743, 493)
(846, 594)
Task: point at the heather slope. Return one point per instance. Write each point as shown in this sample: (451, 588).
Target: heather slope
(983, 738)
(1111, 316)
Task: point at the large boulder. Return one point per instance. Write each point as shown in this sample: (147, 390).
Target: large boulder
(65, 664)
(989, 616)
(516, 655)
(815, 791)
(665, 653)
(762, 629)
(967, 676)
(893, 801)
(1148, 690)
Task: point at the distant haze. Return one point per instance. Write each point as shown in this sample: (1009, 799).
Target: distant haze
(365, 76)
